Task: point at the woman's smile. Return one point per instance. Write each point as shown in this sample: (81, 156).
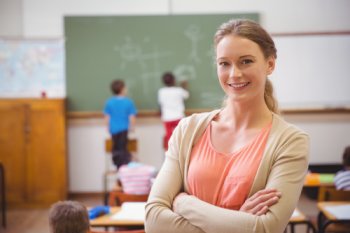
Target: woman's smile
(239, 86)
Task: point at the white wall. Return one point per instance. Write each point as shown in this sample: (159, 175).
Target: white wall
(88, 159)
(86, 156)
(329, 135)
(11, 18)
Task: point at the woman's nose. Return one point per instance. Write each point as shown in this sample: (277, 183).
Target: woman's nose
(235, 72)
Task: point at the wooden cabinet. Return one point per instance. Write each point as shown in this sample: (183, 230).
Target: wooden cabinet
(33, 150)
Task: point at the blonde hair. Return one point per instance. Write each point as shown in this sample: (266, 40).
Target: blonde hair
(254, 32)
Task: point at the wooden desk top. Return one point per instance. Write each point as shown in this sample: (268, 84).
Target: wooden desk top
(321, 206)
(297, 216)
(106, 220)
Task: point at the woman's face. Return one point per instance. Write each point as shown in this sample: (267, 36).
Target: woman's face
(242, 68)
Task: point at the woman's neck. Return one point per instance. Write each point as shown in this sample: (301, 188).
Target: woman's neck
(243, 116)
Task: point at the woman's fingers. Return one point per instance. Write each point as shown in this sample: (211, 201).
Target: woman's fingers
(267, 197)
(263, 192)
(264, 199)
(259, 203)
(265, 204)
(262, 211)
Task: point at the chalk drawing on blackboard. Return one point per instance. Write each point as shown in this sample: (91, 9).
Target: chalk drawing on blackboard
(193, 33)
(147, 80)
(212, 99)
(131, 52)
(145, 58)
(185, 72)
(211, 54)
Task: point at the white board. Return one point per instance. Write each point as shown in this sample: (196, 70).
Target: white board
(312, 71)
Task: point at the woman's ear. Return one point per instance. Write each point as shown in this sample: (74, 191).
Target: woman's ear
(271, 61)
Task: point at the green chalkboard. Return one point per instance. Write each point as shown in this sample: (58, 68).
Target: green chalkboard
(139, 49)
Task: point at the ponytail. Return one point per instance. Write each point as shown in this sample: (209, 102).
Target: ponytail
(270, 100)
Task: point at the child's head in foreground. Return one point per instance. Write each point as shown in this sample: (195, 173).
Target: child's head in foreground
(68, 217)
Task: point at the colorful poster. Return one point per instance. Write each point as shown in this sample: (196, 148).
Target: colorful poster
(32, 68)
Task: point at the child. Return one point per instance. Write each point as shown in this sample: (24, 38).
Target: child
(136, 178)
(68, 217)
(342, 178)
(171, 100)
(120, 114)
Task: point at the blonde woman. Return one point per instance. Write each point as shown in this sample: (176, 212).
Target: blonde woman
(239, 168)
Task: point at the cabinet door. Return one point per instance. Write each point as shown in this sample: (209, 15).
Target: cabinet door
(47, 153)
(12, 149)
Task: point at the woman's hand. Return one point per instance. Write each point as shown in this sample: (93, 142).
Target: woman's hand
(177, 200)
(259, 203)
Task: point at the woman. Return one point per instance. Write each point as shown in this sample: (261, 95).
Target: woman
(240, 168)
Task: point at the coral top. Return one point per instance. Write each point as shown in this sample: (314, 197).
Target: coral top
(224, 179)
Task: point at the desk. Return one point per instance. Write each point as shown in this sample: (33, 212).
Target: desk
(319, 180)
(107, 221)
(326, 218)
(316, 183)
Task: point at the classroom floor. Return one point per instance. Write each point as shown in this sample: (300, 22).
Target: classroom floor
(36, 221)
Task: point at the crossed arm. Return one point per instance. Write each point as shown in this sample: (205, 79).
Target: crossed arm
(189, 214)
(170, 210)
(258, 204)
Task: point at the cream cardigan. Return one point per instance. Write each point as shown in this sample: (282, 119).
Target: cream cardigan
(283, 167)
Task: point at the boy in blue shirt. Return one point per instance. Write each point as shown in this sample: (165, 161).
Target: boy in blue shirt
(120, 114)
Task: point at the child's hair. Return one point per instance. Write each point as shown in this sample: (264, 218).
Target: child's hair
(117, 86)
(168, 79)
(346, 157)
(252, 31)
(68, 217)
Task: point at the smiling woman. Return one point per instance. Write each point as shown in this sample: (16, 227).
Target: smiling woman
(241, 65)
(239, 168)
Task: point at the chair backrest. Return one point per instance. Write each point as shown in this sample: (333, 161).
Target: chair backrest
(123, 231)
(117, 198)
(332, 194)
(132, 145)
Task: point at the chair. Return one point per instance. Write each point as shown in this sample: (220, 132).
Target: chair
(112, 172)
(332, 194)
(3, 193)
(121, 231)
(299, 218)
(117, 198)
